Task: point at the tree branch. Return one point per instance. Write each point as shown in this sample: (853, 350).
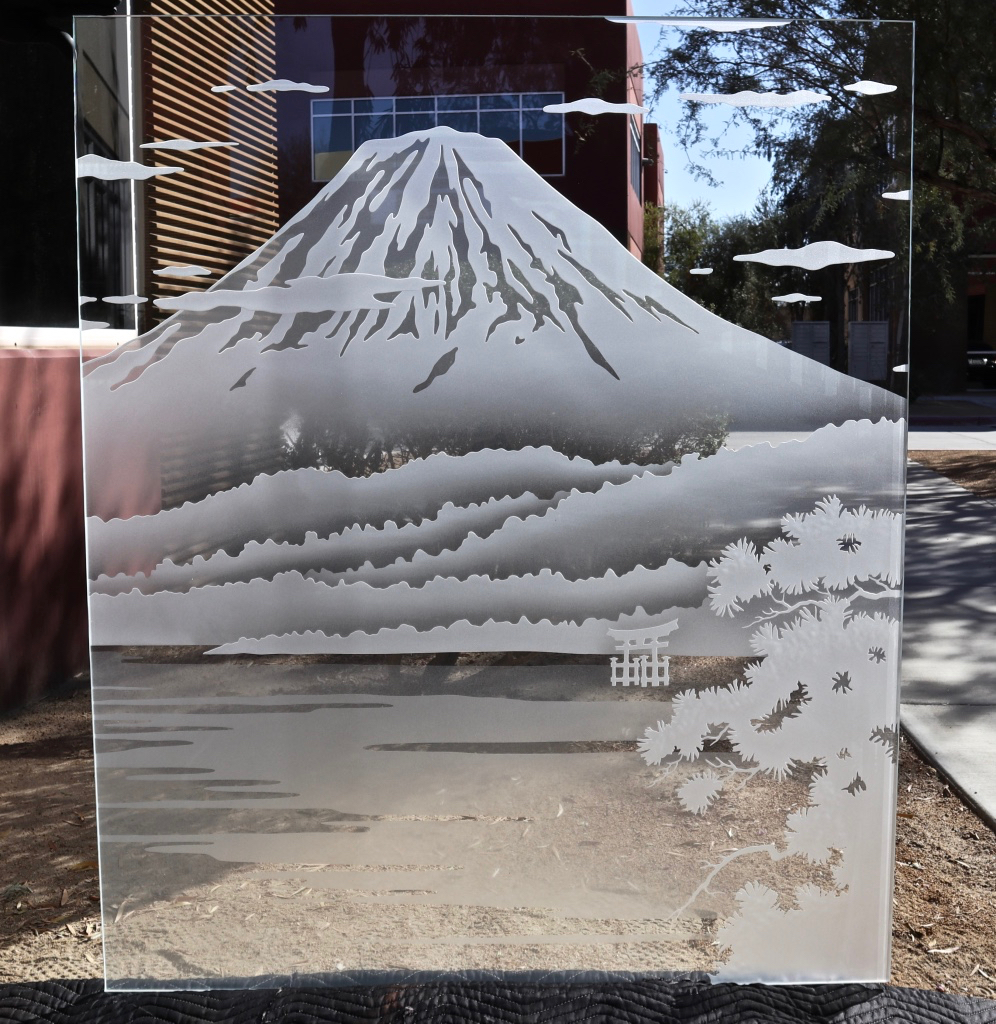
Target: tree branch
(768, 848)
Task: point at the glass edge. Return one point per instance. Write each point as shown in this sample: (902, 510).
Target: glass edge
(673, 21)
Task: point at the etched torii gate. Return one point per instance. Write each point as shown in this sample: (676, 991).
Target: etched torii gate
(650, 669)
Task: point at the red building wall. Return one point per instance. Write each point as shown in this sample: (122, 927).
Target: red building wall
(43, 623)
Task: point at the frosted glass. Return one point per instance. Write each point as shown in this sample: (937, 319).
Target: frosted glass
(466, 599)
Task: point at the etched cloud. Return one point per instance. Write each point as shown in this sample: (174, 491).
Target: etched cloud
(870, 88)
(713, 24)
(814, 256)
(184, 144)
(796, 297)
(306, 294)
(593, 105)
(285, 85)
(93, 166)
(192, 270)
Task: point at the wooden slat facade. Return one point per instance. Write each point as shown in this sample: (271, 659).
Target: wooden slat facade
(225, 204)
(222, 207)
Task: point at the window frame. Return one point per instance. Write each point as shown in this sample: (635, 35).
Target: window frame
(636, 158)
(553, 97)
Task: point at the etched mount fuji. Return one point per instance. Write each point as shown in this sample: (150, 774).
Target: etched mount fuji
(437, 280)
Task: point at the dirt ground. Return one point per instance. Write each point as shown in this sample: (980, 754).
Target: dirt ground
(975, 471)
(944, 929)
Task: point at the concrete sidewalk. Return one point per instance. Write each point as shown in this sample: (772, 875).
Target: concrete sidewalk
(961, 438)
(949, 621)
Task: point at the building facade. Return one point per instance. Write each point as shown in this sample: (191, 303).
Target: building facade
(386, 76)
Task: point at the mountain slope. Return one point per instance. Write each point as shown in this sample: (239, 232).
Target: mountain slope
(439, 287)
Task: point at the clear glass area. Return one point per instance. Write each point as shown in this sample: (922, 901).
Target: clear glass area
(466, 597)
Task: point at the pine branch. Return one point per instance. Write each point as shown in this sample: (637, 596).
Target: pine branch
(768, 848)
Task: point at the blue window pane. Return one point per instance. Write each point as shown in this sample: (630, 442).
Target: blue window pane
(456, 103)
(541, 99)
(320, 107)
(504, 126)
(380, 126)
(505, 100)
(333, 145)
(415, 122)
(342, 106)
(537, 126)
(415, 103)
(374, 106)
(460, 122)
(543, 141)
(333, 134)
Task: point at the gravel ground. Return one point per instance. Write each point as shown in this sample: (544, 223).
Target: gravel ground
(975, 471)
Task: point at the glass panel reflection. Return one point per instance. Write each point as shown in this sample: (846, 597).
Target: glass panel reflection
(465, 596)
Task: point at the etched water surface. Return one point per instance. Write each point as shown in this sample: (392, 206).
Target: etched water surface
(357, 818)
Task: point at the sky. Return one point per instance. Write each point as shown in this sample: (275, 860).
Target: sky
(742, 179)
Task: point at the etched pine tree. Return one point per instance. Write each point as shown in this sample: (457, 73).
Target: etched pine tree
(822, 601)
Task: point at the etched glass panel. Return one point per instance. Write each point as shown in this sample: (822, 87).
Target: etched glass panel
(466, 597)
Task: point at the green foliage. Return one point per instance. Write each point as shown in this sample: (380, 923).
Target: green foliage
(738, 292)
(653, 237)
(689, 232)
(833, 160)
